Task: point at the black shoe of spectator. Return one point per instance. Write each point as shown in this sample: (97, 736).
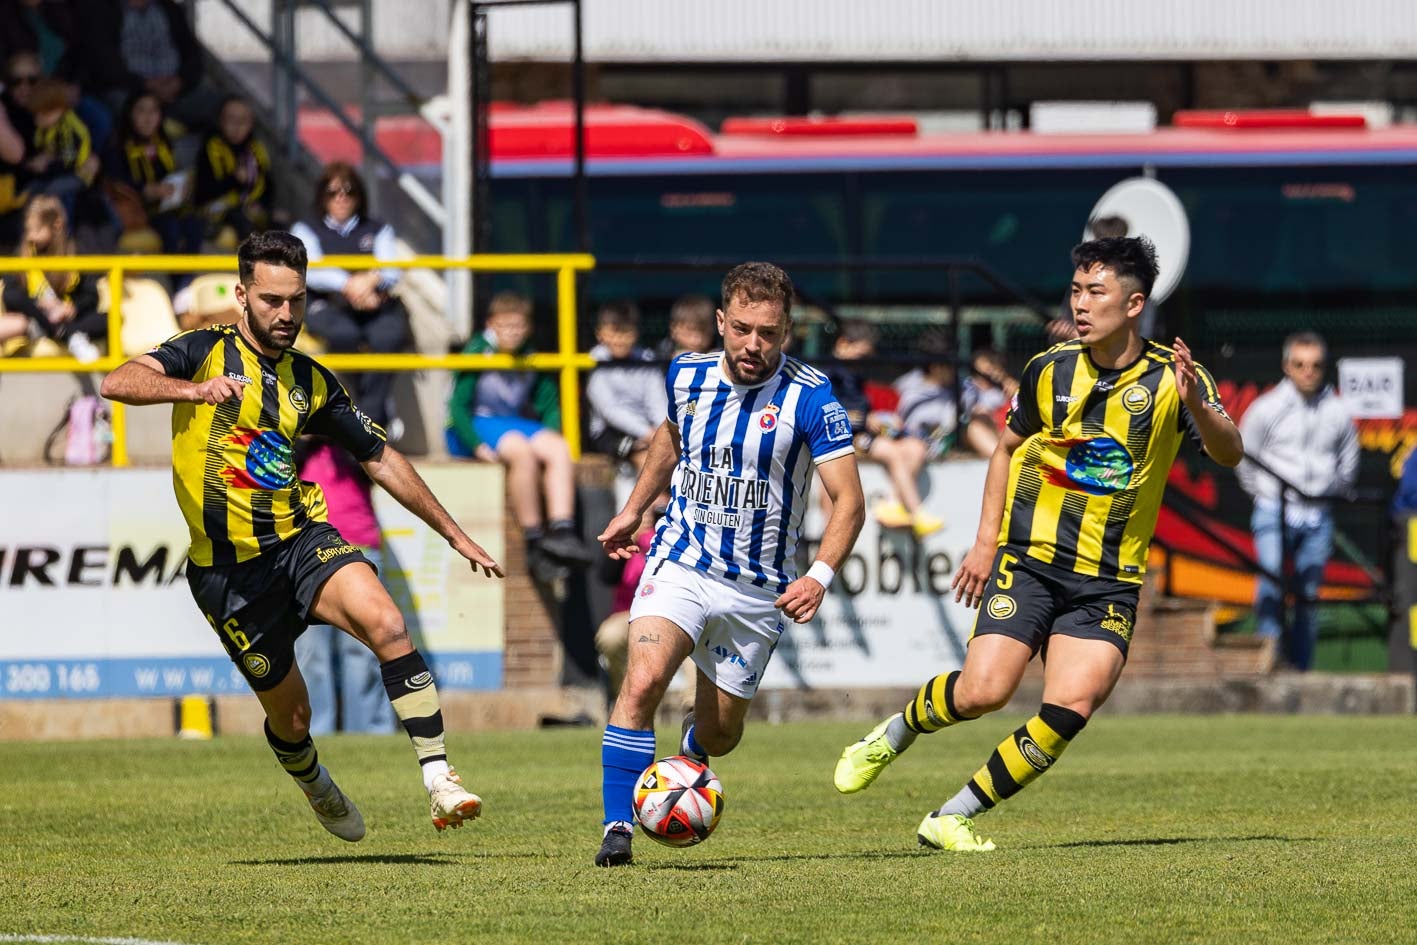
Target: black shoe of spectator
(543, 567)
(563, 545)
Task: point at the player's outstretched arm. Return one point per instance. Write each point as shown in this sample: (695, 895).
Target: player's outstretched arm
(397, 475)
(974, 570)
(142, 381)
(842, 481)
(1219, 435)
(618, 538)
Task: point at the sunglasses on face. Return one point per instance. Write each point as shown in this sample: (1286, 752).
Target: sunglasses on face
(339, 190)
(1308, 365)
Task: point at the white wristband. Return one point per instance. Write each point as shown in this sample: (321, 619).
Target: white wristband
(822, 573)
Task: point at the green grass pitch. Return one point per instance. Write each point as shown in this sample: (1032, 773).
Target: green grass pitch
(1150, 830)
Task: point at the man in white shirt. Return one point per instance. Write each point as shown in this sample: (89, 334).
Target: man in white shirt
(1303, 433)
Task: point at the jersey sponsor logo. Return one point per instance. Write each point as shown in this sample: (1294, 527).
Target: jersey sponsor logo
(419, 681)
(727, 655)
(1118, 621)
(299, 399)
(329, 554)
(724, 518)
(1136, 399)
(1067, 399)
(1102, 386)
(266, 459)
(233, 375)
(364, 419)
(729, 492)
(1002, 607)
(1035, 756)
(1099, 466)
(837, 423)
(256, 664)
(767, 420)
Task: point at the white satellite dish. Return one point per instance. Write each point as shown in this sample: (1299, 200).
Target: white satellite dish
(1150, 209)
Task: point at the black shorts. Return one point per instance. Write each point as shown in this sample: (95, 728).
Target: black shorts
(612, 442)
(259, 607)
(1028, 600)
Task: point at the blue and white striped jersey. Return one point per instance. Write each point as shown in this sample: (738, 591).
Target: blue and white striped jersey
(738, 494)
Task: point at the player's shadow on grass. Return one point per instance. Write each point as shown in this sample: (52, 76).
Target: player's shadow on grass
(393, 859)
(1172, 841)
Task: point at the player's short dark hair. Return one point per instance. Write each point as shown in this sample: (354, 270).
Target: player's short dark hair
(1130, 257)
(758, 282)
(273, 247)
(621, 314)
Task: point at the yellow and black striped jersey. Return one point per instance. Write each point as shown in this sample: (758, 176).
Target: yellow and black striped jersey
(233, 464)
(1085, 486)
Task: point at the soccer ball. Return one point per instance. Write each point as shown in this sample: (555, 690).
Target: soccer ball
(678, 801)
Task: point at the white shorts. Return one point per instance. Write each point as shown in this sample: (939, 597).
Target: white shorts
(734, 628)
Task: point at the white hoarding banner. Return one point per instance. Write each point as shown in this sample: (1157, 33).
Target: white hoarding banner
(94, 598)
(889, 618)
(1371, 387)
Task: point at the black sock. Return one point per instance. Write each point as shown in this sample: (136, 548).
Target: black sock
(562, 525)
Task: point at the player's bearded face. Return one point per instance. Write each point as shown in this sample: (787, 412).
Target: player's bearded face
(274, 305)
(753, 336)
(1102, 304)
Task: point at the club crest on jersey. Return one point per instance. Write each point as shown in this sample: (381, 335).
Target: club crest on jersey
(1136, 399)
(767, 420)
(299, 400)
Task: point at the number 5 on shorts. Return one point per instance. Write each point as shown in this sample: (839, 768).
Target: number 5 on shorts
(1005, 579)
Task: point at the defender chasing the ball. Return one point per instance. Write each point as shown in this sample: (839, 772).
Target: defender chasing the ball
(1070, 504)
(264, 562)
(746, 426)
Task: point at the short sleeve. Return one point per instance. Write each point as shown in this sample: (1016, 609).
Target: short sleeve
(182, 354)
(1210, 398)
(671, 409)
(340, 420)
(822, 422)
(1024, 417)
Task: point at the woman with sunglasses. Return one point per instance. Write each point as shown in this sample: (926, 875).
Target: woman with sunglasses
(353, 311)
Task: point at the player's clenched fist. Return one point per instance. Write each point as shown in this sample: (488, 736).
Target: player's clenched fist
(218, 390)
(801, 599)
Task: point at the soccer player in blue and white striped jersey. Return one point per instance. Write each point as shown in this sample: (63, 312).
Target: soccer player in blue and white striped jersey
(746, 426)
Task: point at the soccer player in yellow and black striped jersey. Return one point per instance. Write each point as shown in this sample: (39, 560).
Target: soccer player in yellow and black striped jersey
(264, 562)
(1070, 504)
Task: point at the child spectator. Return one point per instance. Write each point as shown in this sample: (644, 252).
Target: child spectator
(513, 417)
(878, 435)
(354, 311)
(627, 400)
(150, 194)
(326, 655)
(233, 187)
(63, 161)
(61, 306)
(992, 384)
(692, 327)
(927, 402)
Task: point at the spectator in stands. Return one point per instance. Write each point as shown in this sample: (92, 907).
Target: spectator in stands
(1302, 433)
(326, 655)
(627, 399)
(927, 403)
(513, 417)
(63, 162)
(693, 327)
(149, 192)
(46, 28)
(233, 187)
(143, 45)
(354, 311)
(992, 385)
(878, 434)
(61, 306)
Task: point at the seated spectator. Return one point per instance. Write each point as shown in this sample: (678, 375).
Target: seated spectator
(879, 435)
(61, 306)
(149, 192)
(692, 327)
(992, 384)
(513, 417)
(233, 188)
(353, 311)
(143, 46)
(341, 673)
(627, 400)
(927, 403)
(16, 133)
(63, 162)
(13, 325)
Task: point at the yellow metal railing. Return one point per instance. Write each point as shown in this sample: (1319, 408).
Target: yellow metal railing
(567, 361)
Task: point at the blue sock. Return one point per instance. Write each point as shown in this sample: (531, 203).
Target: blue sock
(624, 753)
(692, 748)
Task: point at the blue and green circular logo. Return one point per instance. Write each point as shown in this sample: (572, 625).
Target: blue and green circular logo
(1100, 467)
